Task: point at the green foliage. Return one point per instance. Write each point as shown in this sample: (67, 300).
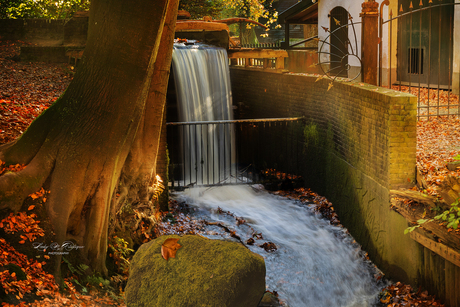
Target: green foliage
(61, 9)
(451, 217)
(80, 269)
(80, 278)
(118, 262)
(169, 218)
(6, 4)
(76, 271)
(457, 157)
(121, 254)
(98, 281)
(258, 10)
(200, 8)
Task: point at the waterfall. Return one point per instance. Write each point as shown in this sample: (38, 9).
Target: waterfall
(202, 80)
(316, 264)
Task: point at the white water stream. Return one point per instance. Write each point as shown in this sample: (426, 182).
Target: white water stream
(316, 264)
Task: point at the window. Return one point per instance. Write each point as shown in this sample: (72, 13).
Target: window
(415, 60)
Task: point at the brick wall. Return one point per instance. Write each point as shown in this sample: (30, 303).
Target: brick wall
(372, 130)
(360, 144)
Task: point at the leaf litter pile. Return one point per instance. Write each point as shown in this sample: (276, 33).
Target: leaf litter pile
(26, 89)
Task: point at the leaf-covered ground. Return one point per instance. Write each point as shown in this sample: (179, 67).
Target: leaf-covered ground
(26, 89)
(438, 142)
(438, 139)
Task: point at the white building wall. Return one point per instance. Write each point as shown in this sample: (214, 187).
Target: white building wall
(456, 60)
(354, 8)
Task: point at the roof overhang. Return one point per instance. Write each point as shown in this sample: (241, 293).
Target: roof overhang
(304, 12)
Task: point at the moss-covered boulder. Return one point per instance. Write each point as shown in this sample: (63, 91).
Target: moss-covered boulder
(204, 273)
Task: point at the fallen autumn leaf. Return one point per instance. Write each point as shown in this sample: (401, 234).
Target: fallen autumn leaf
(169, 248)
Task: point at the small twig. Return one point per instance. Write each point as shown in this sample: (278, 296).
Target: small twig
(232, 232)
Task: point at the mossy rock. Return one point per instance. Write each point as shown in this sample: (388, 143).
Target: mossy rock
(204, 272)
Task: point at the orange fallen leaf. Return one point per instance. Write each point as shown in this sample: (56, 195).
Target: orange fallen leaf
(169, 248)
(31, 207)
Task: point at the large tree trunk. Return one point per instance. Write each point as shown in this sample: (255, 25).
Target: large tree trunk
(103, 132)
(138, 173)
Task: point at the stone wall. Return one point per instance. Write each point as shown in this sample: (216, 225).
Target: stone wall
(360, 142)
(44, 31)
(52, 41)
(32, 30)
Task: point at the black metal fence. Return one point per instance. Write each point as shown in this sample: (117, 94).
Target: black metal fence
(233, 151)
(424, 55)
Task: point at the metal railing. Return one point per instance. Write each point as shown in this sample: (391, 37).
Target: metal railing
(259, 63)
(263, 45)
(227, 152)
(424, 69)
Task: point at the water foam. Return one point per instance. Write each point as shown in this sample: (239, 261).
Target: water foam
(316, 264)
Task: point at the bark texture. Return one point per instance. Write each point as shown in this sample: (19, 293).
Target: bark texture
(138, 174)
(102, 134)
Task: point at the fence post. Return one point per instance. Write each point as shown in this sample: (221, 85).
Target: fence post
(369, 41)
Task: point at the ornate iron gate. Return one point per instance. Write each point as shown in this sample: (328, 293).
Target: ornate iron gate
(424, 55)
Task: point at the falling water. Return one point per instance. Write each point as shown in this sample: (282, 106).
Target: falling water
(316, 264)
(202, 80)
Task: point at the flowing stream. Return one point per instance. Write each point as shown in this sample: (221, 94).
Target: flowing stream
(315, 264)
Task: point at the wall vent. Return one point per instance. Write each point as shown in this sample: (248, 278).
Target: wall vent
(415, 60)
